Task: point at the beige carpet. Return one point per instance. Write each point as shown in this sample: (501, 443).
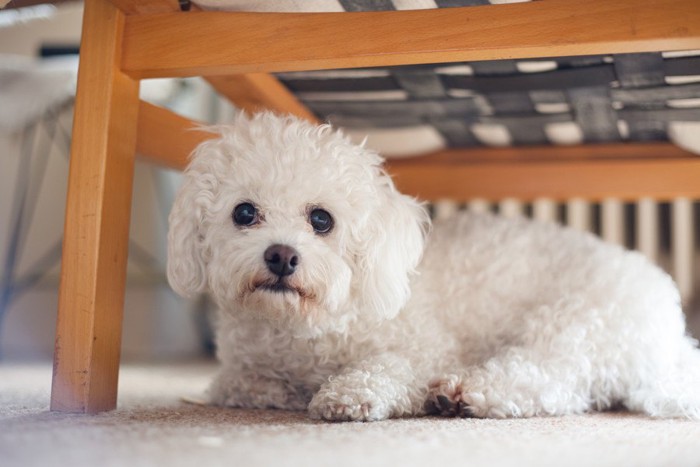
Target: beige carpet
(153, 427)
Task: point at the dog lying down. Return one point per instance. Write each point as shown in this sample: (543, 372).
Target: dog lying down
(336, 295)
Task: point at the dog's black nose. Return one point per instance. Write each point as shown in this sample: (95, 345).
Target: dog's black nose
(281, 260)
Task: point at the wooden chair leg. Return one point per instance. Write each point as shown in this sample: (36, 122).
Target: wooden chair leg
(93, 275)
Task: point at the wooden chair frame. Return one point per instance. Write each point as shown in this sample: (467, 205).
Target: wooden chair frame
(127, 40)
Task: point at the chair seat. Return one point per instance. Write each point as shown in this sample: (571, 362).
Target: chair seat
(412, 110)
(573, 100)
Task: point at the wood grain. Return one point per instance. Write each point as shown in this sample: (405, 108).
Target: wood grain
(254, 92)
(165, 138)
(91, 298)
(215, 43)
(593, 180)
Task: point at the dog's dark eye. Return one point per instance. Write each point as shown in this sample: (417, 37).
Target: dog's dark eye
(245, 214)
(320, 220)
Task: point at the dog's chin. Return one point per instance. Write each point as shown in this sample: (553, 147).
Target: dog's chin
(277, 301)
(288, 307)
(277, 298)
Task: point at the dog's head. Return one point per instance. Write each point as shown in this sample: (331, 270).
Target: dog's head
(291, 223)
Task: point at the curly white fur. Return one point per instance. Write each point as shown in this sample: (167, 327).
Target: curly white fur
(483, 317)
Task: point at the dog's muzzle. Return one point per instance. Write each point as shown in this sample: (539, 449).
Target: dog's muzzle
(281, 261)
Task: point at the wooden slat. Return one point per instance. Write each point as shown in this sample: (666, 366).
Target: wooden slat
(165, 138)
(98, 208)
(592, 179)
(594, 172)
(213, 43)
(260, 91)
(137, 7)
(533, 154)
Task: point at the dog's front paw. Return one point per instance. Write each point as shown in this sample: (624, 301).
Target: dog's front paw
(373, 389)
(359, 406)
(341, 412)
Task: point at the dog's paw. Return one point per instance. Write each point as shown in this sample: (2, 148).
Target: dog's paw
(344, 407)
(447, 398)
(342, 412)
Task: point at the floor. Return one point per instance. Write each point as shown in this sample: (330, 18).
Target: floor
(155, 426)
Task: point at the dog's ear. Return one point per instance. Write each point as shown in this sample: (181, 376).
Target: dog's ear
(392, 246)
(187, 252)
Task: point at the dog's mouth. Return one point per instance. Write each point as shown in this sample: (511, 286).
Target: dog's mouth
(279, 286)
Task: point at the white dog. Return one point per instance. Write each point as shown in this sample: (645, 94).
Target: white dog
(335, 297)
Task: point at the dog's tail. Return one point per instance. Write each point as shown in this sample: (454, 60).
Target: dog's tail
(676, 392)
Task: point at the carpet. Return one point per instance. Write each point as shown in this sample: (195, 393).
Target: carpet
(153, 426)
